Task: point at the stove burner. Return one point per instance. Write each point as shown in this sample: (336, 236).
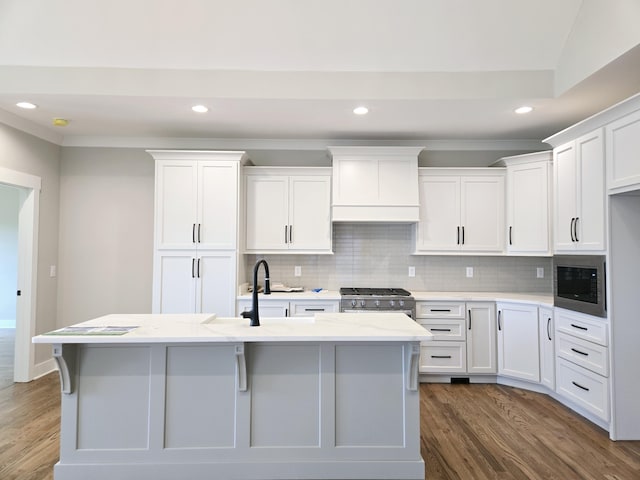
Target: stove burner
(369, 292)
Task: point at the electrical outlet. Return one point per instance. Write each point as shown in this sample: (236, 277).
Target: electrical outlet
(540, 272)
(469, 272)
(412, 271)
(52, 271)
(297, 271)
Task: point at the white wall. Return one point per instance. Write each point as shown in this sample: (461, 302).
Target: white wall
(25, 153)
(8, 255)
(602, 32)
(106, 233)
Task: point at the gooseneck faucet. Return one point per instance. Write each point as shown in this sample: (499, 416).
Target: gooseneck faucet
(253, 313)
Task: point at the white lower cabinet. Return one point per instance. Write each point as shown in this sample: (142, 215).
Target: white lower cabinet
(547, 348)
(582, 361)
(194, 282)
(286, 308)
(518, 341)
(464, 337)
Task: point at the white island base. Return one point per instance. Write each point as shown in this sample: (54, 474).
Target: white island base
(238, 410)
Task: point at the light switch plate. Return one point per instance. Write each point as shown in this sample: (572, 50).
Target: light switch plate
(469, 272)
(412, 271)
(540, 272)
(52, 271)
(297, 271)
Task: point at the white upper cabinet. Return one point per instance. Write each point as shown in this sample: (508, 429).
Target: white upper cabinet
(196, 204)
(579, 194)
(528, 203)
(461, 210)
(377, 184)
(288, 210)
(623, 145)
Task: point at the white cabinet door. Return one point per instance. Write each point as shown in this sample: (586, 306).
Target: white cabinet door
(174, 282)
(216, 283)
(528, 208)
(590, 230)
(547, 350)
(287, 212)
(310, 213)
(579, 194)
(623, 144)
(481, 337)
(267, 212)
(439, 226)
(518, 337)
(217, 205)
(482, 213)
(176, 204)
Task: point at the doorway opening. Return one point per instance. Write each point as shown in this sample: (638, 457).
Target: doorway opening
(27, 190)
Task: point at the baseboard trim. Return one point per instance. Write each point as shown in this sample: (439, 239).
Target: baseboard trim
(44, 368)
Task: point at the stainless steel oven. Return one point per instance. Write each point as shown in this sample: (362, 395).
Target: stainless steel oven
(357, 300)
(579, 283)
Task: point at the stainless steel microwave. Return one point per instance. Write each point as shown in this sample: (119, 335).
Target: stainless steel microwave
(579, 283)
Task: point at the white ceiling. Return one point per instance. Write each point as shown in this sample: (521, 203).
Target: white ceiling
(294, 69)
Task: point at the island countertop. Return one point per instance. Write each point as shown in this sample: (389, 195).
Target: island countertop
(207, 328)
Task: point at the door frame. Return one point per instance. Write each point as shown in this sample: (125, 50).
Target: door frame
(28, 217)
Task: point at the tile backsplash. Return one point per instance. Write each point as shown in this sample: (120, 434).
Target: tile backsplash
(379, 255)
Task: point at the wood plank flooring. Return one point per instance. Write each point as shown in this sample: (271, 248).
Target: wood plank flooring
(7, 342)
(469, 432)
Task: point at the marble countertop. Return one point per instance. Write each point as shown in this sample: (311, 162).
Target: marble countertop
(331, 295)
(545, 300)
(207, 328)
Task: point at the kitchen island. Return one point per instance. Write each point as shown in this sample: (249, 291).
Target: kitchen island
(334, 396)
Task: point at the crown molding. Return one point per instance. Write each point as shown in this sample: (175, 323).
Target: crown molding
(19, 123)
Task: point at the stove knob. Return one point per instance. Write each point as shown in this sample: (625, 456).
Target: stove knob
(362, 302)
(401, 303)
(353, 303)
(377, 303)
(392, 303)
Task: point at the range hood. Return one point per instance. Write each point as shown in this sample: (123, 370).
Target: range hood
(375, 184)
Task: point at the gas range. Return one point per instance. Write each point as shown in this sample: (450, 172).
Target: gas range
(377, 299)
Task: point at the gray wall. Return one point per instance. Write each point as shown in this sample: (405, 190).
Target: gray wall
(8, 255)
(24, 153)
(106, 233)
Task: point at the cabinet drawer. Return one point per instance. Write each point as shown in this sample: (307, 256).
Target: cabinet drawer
(443, 357)
(586, 354)
(445, 329)
(311, 308)
(582, 326)
(587, 389)
(440, 310)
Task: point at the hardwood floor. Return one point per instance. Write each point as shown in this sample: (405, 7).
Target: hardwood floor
(469, 432)
(7, 342)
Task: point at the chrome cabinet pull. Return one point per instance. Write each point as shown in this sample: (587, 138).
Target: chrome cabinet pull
(573, 221)
(469, 317)
(458, 240)
(499, 326)
(510, 239)
(199, 233)
(575, 229)
(285, 234)
(290, 233)
(193, 268)
(198, 268)
(193, 233)
(548, 330)
(463, 235)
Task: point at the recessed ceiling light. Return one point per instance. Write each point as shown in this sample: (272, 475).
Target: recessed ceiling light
(199, 109)
(361, 110)
(27, 105)
(523, 109)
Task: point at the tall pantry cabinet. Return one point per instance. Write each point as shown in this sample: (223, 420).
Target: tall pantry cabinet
(196, 234)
